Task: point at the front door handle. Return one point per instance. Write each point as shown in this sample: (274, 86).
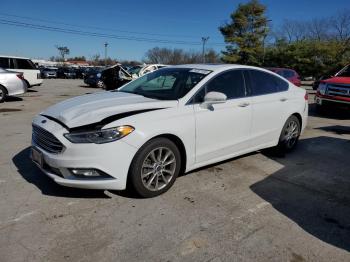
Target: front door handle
(244, 104)
(283, 99)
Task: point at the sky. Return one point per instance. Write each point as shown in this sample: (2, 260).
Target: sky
(141, 24)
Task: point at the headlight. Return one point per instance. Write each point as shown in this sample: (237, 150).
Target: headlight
(100, 136)
(322, 88)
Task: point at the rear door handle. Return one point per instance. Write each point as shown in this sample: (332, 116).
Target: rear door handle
(244, 104)
(283, 99)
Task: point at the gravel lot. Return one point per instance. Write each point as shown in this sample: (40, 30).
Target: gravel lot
(253, 208)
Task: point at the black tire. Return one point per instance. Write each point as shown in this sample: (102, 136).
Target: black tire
(135, 180)
(3, 94)
(286, 145)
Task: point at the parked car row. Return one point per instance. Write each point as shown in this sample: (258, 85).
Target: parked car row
(64, 72)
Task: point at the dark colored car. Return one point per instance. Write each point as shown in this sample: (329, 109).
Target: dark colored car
(79, 73)
(290, 74)
(92, 77)
(109, 78)
(66, 72)
(48, 72)
(115, 76)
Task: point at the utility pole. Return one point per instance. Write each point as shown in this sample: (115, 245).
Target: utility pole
(106, 44)
(264, 44)
(204, 40)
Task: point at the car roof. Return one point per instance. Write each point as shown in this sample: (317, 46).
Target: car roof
(279, 68)
(10, 56)
(217, 67)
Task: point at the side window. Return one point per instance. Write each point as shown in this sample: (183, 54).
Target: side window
(23, 64)
(262, 83)
(230, 83)
(4, 62)
(288, 73)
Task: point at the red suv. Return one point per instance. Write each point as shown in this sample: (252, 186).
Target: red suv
(335, 90)
(289, 74)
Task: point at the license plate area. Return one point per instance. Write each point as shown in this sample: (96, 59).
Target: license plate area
(37, 156)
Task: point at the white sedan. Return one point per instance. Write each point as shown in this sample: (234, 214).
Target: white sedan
(170, 121)
(11, 83)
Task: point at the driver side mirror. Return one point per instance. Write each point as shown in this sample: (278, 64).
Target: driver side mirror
(213, 98)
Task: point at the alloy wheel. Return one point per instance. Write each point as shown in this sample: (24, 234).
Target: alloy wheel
(158, 168)
(291, 133)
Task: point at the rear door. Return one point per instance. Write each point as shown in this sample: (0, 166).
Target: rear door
(224, 129)
(269, 100)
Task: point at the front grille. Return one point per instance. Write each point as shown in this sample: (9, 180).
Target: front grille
(338, 90)
(46, 141)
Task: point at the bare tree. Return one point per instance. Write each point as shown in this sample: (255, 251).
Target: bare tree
(319, 29)
(293, 30)
(63, 50)
(178, 56)
(340, 23)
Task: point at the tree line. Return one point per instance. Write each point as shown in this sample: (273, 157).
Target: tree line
(312, 47)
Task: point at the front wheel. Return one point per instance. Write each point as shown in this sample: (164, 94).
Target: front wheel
(155, 167)
(100, 84)
(290, 135)
(3, 94)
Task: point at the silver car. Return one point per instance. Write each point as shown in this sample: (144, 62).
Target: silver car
(11, 83)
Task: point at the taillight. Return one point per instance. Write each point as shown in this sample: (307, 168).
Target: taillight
(306, 96)
(20, 76)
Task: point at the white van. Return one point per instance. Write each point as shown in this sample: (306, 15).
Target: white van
(21, 64)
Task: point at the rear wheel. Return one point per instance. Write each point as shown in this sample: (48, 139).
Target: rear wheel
(3, 94)
(155, 167)
(290, 135)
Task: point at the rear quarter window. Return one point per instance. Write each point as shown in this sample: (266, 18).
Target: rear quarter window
(262, 83)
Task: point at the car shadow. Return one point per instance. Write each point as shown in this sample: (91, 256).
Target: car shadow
(13, 99)
(337, 129)
(31, 173)
(32, 91)
(87, 86)
(312, 189)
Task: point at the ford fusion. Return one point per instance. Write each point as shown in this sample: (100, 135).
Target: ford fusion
(164, 123)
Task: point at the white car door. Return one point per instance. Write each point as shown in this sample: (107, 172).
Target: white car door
(224, 129)
(269, 100)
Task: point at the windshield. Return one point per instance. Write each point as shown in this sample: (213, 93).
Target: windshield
(345, 72)
(135, 70)
(166, 84)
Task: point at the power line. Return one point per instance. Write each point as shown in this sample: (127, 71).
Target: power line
(96, 34)
(95, 27)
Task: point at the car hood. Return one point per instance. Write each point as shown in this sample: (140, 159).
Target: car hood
(94, 108)
(337, 80)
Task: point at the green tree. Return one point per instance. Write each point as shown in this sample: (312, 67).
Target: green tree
(245, 34)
